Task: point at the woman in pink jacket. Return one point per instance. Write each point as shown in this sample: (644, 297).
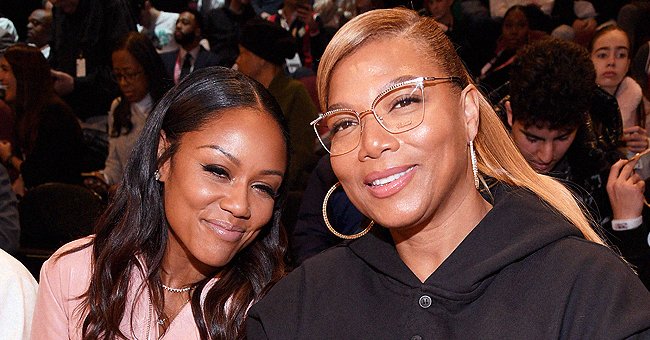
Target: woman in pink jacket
(192, 236)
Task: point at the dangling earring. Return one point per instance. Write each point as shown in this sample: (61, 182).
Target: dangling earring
(474, 166)
(327, 221)
(156, 175)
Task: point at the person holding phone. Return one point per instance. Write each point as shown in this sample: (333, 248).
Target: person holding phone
(298, 17)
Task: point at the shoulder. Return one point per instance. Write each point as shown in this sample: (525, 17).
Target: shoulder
(313, 279)
(169, 56)
(63, 264)
(630, 90)
(14, 274)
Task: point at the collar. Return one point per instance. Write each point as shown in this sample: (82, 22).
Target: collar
(144, 105)
(194, 52)
(519, 224)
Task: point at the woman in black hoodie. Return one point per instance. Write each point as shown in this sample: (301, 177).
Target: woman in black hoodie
(411, 141)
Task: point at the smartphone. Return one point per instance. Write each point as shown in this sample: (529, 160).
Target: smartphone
(3, 92)
(643, 159)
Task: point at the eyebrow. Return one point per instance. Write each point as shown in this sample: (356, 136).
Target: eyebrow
(386, 86)
(609, 48)
(530, 135)
(236, 160)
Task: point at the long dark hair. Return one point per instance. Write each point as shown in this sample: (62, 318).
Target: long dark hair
(134, 230)
(34, 91)
(140, 47)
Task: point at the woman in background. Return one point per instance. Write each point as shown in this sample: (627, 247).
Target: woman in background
(192, 236)
(140, 74)
(49, 143)
(610, 53)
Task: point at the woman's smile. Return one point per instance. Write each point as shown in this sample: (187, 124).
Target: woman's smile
(389, 182)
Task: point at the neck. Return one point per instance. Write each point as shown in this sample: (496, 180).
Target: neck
(447, 19)
(267, 74)
(610, 89)
(192, 45)
(235, 6)
(153, 14)
(179, 268)
(424, 249)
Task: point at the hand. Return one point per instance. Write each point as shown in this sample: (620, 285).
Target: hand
(625, 190)
(305, 13)
(635, 138)
(63, 82)
(5, 150)
(19, 186)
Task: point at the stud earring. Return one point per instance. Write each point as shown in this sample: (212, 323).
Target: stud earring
(156, 175)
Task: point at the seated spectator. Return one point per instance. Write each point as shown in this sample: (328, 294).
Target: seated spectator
(83, 35)
(18, 296)
(223, 26)
(39, 30)
(48, 145)
(298, 18)
(192, 55)
(158, 25)
(515, 34)
(550, 96)
(263, 48)
(578, 20)
(498, 8)
(9, 223)
(193, 236)
(610, 53)
(630, 231)
(141, 76)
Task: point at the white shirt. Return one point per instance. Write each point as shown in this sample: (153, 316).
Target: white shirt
(17, 298)
(119, 148)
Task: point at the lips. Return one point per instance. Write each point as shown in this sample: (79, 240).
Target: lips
(609, 74)
(541, 168)
(226, 231)
(382, 184)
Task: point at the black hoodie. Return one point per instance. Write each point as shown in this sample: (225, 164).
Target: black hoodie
(524, 272)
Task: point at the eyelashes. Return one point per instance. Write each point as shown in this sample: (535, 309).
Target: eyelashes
(221, 172)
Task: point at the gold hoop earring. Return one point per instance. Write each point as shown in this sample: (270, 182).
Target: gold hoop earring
(474, 164)
(327, 221)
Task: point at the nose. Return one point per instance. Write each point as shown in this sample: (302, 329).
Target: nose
(545, 153)
(611, 61)
(235, 201)
(375, 140)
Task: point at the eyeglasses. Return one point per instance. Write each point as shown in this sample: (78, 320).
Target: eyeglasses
(127, 76)
(398, 109)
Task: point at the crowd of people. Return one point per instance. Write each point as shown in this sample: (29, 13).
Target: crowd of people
(270, 169)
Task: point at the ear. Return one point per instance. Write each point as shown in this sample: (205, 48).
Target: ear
(164, 168)
(509, 112)
(470, 106)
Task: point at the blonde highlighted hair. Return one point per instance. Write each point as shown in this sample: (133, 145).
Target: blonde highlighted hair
(497, 155)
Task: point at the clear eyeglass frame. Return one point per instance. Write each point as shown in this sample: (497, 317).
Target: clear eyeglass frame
(395, 93)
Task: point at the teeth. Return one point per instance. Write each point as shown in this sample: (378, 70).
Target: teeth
(386, 180)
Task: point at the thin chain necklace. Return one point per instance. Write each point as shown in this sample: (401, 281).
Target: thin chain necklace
(177, 290)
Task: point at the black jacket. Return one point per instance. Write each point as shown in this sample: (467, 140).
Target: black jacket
(204, 59)
(523, 273)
